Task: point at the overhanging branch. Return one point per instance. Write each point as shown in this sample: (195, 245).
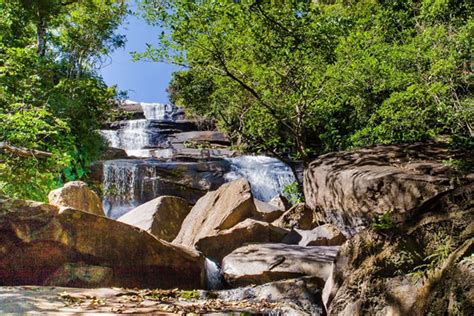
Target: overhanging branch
(23, 152)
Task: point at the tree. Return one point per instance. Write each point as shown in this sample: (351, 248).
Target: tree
(302, 78)
(51, 98)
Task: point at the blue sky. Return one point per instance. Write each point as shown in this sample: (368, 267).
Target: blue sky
(143, 81)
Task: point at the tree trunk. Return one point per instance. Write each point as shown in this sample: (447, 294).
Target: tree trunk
(41, 37)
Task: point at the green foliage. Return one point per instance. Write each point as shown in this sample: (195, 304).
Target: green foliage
(301, 78)
(435, 258)
(383, 222)
(51, 98)
(293, 193)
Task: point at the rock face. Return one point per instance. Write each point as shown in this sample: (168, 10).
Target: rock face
(421, 267)
(324, 235)
(39, 245)
(352, 188)
(217, 246)
(217, 210)
(129, 181)
(262, 263)
(200, 137)
(113, 153)
(80, 275)
(77, 195)
(267, 212)
(299, 216)
(162, 217)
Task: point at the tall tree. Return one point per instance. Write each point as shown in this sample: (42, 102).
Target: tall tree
(51, 97)
(307, 77)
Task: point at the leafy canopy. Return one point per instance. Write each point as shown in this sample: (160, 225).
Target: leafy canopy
(51, 97)
(299, 78)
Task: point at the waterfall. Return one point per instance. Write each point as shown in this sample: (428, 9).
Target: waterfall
(214, 278)
(158, 111)
(135, 136)
(128, 183)
(268, 176)
(119, 187)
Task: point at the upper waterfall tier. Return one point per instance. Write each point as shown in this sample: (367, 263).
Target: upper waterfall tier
(133, 135)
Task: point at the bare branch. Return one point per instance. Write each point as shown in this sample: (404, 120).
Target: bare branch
(23, 152)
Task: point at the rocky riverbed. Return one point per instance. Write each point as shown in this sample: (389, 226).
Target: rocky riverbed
(386, 230)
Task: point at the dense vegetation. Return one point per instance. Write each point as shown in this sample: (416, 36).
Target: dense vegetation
(300, 78)
(51, 96)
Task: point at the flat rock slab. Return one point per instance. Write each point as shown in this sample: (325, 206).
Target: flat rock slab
(113, 301)
(262, 263)
(200, 136)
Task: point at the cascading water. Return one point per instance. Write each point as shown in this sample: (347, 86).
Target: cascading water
(214, 278)
(128, 183)
(268, 176)
(135, 136)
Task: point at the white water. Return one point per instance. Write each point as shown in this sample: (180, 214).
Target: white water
(120, 184)
(268, 176)
(128, 183)
(134, 135)
(213, 275)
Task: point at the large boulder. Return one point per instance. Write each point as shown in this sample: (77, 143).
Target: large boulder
(262, 263)
(162, 217)
(39, 243)
(421, 267)
(299, 216)
(352, 189)
(77, 195)
(267, 212)
(217, 246)
(324, 235)
(217, 210)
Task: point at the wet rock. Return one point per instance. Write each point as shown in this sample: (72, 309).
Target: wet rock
(420, 267)
(351, 189)
(76, 194)
(200, 137)
(217, 246)
(267, 212)
(162, 217)
(324, 235)
(113, 153)
(129, 183)
(217, 210)
(37, 240)
(262, 263)
(299, 216)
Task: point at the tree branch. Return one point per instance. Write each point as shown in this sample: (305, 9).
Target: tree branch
(23, 152)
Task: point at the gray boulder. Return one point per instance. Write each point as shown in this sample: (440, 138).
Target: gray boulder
(162, 217)
(262, 263)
